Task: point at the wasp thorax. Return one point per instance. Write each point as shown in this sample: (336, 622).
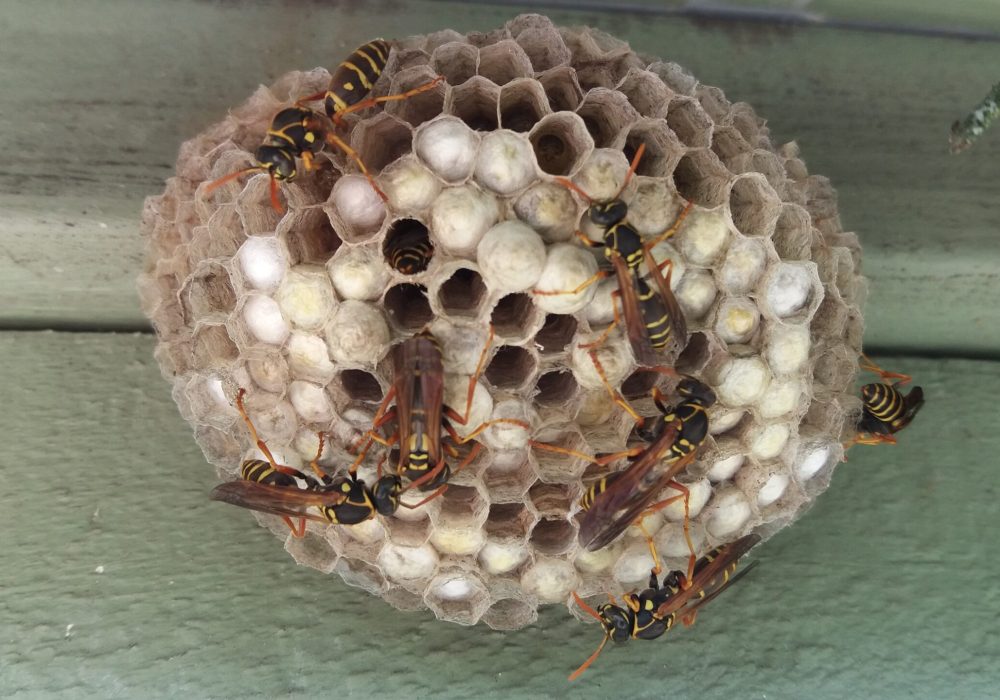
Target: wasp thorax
(486, 178)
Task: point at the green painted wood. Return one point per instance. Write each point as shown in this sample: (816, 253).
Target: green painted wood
(98, 95)
(885, 589)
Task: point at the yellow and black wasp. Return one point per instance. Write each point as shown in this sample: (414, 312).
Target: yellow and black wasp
(654, 611)
(269, 487)
(298, 132)
(885, 409)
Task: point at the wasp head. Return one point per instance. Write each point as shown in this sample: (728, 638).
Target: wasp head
(277, 161)
(385, 494)
(694, 390)
(608, 213)
(617, 622)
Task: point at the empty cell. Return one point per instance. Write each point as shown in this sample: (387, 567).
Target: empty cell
(475, 102)
(690, 122)
(358, 272)
(306, 297)
(543, 45)
(254, 205)
(550, 580)
(360, 385)
(508, 481)
(555, 388)
(509, 521)
(355, 208)
(448, 147)
(638, 384)
(746, 122)
(510, 367)
(309, 237)
(381, 140)
(409, 185)
(556, 334)
(753, 205)
(561, 88)
(606, 114)
(357, 333)
(208, 294)
(456, 61)
(646, 93)
(561, 142)
(729, 144)
(522, 104)
(663, 150)
(263, 263)
(461, 216)
(700, 178)
(361, 575)
(211, 347)
(695, 355)
(407, 247)
(505, 163)
(511, 613)
(553, 536)
(513, 315)
(313, 551)
(462, 293)
(675, 77)
(503, 62)
(408, 307)
(416, 109)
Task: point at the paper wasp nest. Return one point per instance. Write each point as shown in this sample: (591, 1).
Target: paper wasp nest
(302, 309)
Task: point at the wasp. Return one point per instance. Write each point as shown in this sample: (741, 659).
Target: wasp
(300, 133)
(616, 501)
(409, 251)
(269, 487)
(652, 315)
(885, 409)
(654, 611)
(417, 395)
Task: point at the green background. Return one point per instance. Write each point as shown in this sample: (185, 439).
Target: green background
(886, 588)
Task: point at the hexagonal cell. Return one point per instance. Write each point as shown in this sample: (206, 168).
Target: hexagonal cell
(258, 320)
(550, 210)
(476, 103)
(553, 536)
(555, 468)
(456, 61)
(509, 521)
(747, 122)
(254, 206)
(462, 294)
(638, 384)
(562, 88)
(522, 105)
(408, 307)
(646, 92)
(753, 205)
(208, 295)
(416, 109)
(407, 247)
(460, 217)
(360, 385)
(541, 41)
(690, 122)
(835, 368)
(461, 507)
(306, 297)
(729, 145)
(791, 291)
(714, 102)
(355, 209)
(503, 62)
(310, 401)
(511, 613)
(745, 262)
(737, 320)
(212, 347)
(510, 367)
(309, 237)
(313, 551)
(663, 150)
(221, 238)
(505, 164)
(381, 140)
(407, 534)
(308, 358)
(263, 263)
(553, 500)
(560, 142)
(606, 113)
(700, 178)
(357, 334)
(514, 316)
(556, 334)
(555, 388)
(457, 595)
(361, 574)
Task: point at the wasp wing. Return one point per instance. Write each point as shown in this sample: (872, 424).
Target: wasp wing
(277, 500)
(678, 324)
(635, 325)
(623, 501)
(912, 403)
(712, 575)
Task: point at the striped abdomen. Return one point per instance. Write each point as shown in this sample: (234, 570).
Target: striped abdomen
(261, 472)
(597, 488)
(356, 75)
(655, 315)
(883, 402)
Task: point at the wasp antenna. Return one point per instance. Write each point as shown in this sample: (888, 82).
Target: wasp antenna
(632, 168)
(570, 185)
(216, 184)
(586, 608)
(583, 667)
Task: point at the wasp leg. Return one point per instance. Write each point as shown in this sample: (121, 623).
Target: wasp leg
(261, 445)
(315, 97)
(673, 227)
(459, 440)
(685, 494)
(333, 140)
(600, 461)
(597, 277)
(615, 396)
(314, 463)
(462, 419)
(372, 101)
